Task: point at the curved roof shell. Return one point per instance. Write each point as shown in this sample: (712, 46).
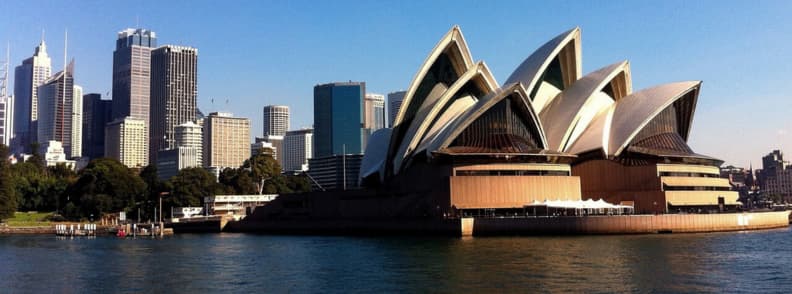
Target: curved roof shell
(564, 49)
(633, 113)
(614, 129)
(513, 91)
(376, 151)
(570, 113)
(476, 79)
(453, 50)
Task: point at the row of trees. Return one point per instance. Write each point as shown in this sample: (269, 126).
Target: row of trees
(107, 185)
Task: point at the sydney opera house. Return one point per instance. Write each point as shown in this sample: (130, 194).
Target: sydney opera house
(463, 143)
(468, 155)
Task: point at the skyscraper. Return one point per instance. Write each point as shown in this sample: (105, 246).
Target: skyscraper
(132, 77)
(338, 118)
(27, 78)
(276, 120)
(56, 110)
(374, 112)
(77, 117)
(6, 106)
(174, 93)
(190, 135)
(276, 123)
(298, 148)
(226, 140)
(394, 104)
(96, 115)
(124, 141)
(6, 119)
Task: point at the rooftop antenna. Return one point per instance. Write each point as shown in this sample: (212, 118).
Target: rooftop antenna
(137, 21)
(65, 51)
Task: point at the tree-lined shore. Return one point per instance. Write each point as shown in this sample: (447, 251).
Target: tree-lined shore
(108, 186)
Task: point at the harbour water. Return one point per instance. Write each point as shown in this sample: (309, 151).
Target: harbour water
(756, 261)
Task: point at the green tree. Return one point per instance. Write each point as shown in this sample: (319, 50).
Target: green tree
(35, 156)
(190, 186)
(31, 184)
(263, 167)
(237, 181)
(298, 183)
(106, 185)
(8, 198)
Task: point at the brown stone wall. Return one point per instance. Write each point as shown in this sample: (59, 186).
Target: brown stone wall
(510, 191)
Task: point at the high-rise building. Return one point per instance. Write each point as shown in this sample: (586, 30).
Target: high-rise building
(276, 120)
(174, 93)
(338, 118)
(6, 106)
(226, 140)
(132, 77)
(6, 119)
(56, 110)
(96, 115)
(374, 112)
(394, 104)
(27, 78)
(125, 140)
(373, 115)
(77, 117)
(298, 148)
(190, 135)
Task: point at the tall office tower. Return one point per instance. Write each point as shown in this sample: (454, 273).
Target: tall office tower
(56, 110)
(190, 135)
(27, 78)
(226, 140)
(6, 105)
(338, 118)
(125, 140)
(132, 77)
(96, 115)
(394, 104)
(174, 93)
(77, 117)
(374, 112)
(6, 119)
(298, 148)
(276, 120)
(373, 115)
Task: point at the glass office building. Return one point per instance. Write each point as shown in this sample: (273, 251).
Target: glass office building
(338, 118)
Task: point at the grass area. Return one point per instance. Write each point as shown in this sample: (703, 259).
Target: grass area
(29, 219)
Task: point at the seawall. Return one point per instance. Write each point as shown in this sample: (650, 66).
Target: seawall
(622, 224)
(632, 224)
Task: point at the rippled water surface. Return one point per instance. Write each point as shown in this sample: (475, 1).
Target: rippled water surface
(759, 261)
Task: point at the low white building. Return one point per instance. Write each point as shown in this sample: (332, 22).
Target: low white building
(54, 154)
(236, 205)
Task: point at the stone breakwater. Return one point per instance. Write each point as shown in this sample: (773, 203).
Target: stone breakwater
(6, 230)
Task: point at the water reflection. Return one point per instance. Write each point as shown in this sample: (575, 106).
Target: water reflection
(732, 262)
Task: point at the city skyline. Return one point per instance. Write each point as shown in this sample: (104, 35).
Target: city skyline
(694, 38)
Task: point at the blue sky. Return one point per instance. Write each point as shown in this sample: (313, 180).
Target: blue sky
(254, 53)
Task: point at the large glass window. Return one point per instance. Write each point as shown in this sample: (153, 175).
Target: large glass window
(502, 129)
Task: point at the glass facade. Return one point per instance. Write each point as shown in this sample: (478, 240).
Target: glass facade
(338, 118)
